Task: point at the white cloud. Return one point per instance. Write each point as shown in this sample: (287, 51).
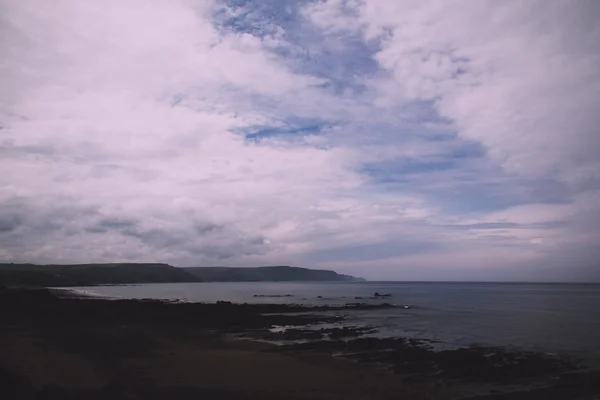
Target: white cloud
(125, 112)
(521, 78)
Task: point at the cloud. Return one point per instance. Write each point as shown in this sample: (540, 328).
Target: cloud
(388, 139)
(520, 79)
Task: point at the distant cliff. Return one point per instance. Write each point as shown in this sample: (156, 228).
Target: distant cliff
(125, 273)
(91, 274)
(273, 273)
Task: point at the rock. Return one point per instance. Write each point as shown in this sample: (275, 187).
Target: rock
(383, 295)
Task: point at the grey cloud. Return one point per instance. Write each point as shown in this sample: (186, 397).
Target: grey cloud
(401, 246)
(157, 238)
(203, 228)
(10, 222)
(95, 229)
(201, 239)
(115, 223)
(34, 217)
(62, 228)
(8, 150)
(489, 225)
(105, 225)
(510, 225)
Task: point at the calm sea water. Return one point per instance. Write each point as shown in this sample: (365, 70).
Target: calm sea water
(557, 318)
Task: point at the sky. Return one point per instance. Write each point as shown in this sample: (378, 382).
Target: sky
(401, 140)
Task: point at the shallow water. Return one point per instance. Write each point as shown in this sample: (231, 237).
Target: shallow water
(558, 318)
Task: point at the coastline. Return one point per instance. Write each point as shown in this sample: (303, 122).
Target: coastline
(60, 344)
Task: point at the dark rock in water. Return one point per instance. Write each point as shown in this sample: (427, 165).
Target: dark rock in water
(358, 298)
(273, 295)
(363, 306)
(333, 333)
(382, 295)
(349, 331)
(319, 297)
(298, 334)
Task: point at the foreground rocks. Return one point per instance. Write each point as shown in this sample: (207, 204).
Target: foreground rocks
(417, 360)
(55, 347)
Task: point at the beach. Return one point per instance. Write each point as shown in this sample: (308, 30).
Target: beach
(54, 345)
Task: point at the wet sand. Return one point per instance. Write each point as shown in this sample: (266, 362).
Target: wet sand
(57, 347)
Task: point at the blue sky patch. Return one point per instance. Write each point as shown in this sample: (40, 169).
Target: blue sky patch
(291, 126)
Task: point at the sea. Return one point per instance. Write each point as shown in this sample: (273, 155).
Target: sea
(562, 319)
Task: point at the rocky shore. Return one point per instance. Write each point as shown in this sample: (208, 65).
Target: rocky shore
(56, 346)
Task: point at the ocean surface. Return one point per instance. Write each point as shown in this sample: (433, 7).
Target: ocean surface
(556, 318)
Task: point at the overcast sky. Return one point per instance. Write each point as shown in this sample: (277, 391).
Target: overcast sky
(436, 140)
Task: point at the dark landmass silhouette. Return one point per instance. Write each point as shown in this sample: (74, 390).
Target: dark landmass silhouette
(129, 273)
(271, 273)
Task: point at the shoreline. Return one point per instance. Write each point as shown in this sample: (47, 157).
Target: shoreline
(56, 341)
